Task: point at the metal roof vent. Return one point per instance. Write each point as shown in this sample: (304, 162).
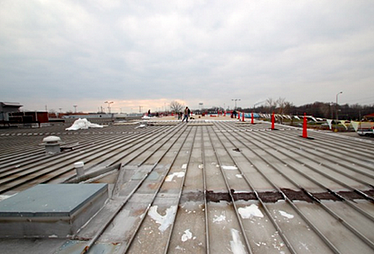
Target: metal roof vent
(52, 144)
(79, 167)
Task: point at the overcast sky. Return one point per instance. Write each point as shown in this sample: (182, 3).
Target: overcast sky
(57, 54)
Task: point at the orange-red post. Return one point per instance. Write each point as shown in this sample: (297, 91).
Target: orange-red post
(238, 115)
(242, 116)
(252, 119)
(272, 121)
(305, 134)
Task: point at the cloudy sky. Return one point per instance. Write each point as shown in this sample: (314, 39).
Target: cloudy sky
(57, 54)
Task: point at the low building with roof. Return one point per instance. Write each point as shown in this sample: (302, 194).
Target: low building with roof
(6, 108)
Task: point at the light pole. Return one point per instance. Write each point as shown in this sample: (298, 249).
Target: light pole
(109, 102)
(75, 108)
(336, 106)
(235, 102)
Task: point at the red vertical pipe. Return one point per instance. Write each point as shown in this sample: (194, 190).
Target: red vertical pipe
(252, 118)
(305, 135)
(238, 115)
(272, 121)
(242, 116)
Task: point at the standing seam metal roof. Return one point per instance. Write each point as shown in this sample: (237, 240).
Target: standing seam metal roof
(206, 187)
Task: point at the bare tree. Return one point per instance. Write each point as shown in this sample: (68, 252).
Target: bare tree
(325, 110)
(287, 107)
(176, 107)
(271, 104)
(281, 102)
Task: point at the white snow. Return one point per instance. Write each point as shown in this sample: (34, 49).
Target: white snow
(239, 176)
(2, 197)
(250, 211)
(220, 218)
(164, 220)
(287, 215)
(305, 245)
(260, 244)
(229, 167)
(141, 126)
(187, 235)
(170, 177)
(180, 248)
(83, 124)
(236, 245)
(184, 166)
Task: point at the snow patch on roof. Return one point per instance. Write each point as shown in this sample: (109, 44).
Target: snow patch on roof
(287, 215)
(220, 218)
(170, 177)
(229, 167)
(164, 220)
(186, 236)
(250, 211)
(83, 124)
(237, 246)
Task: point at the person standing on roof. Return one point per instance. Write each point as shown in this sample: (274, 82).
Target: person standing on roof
(186, 114)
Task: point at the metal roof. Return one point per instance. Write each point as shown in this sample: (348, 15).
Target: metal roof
(17, 104)
(204, 187)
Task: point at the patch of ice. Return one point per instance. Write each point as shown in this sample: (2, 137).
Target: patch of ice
(239, 176)
(164, 220)
(184, 166)
(219, 218)
(187, 235)
(250, 211)
(237, 246)
(170, 177)
(229, 167)
(287, 215)
(303, 245)
(180, 248)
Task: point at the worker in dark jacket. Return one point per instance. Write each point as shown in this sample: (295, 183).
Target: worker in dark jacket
(186, 114)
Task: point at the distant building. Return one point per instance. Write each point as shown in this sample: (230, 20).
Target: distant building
(28, 117)
(6, 108)
(10, 114)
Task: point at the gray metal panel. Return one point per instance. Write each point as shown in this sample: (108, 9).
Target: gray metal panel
(50, 200)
